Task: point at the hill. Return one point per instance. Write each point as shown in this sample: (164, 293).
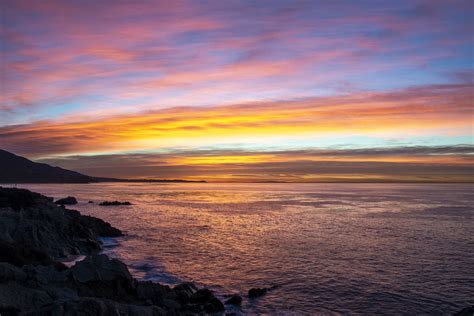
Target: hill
(16, 169)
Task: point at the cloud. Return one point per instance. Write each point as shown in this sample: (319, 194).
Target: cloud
(416, 163)
(68, 57)
(437, 109)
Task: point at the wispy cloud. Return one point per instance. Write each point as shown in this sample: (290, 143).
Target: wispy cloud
(438, 109)
(416, 163)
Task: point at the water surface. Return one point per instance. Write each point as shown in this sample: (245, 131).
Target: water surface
(327, 248)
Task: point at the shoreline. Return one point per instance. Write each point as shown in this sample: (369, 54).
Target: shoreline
(36, 235)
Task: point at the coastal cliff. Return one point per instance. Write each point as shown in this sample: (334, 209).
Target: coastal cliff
(36, 235)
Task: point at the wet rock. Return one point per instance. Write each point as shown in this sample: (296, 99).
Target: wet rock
(20, 255)
(22, 297)
(100, 276)
(94, 306)
(201, 296)
(96, 225)
(207, 301)
(9, 272)
(114, 203)
(467, 311)
(70, 200)
(184, 291)
(234, 300)
(214, 306)
(147, 290)
(257, 292)
(18, 199)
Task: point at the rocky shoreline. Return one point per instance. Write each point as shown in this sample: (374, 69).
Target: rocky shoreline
(36, 235)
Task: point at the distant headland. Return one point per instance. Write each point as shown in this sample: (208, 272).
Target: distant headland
(17, 169)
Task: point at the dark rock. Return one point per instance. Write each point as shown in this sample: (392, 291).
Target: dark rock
(201, 296)
(467, 311)
(9, 310)
(214, 306)
(18, 199)
(34, 221)
(205, 298)
(114, 203)
(94, 306)
(147, 290)
(184, 291)
(21, 255)
(9, 272)
(257, 292)
(234, 300)
(101, 276)
(90, 202)
(70, 200)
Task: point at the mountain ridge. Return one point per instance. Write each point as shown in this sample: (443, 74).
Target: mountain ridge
(18, 169)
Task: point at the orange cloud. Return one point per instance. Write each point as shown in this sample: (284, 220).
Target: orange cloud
(433, 110)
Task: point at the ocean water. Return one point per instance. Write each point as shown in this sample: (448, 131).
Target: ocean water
(324, 248)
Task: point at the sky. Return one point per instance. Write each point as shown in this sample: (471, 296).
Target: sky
(244, 91)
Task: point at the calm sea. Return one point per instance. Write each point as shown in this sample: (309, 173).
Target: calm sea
(325, 248)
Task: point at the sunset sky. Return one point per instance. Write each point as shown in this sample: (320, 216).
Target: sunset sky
(241, 90)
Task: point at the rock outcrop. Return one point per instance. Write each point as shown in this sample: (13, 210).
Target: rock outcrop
(257, 292)
(35, 234)
(70, 200)
(234, 300)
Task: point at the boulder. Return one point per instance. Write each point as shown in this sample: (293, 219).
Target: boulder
(147, 290)
(234, 300)
(9, 272)
(18, 199)
(257, 292)
(184, 291)
(207, 301)
(100, 276)
(20, 255)
(70, 200)
(94, 306)
(201, 296)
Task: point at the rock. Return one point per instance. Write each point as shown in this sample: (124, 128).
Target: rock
(94, 306)
(21, 255)
(201, 296)
(40, 224)
(184, 291)
(147, 290)
(467, 311)
(90, 202)
(70, 200)
(18, 199)
(207, 300)
(234, 300)
(114, 203)
(214, 306)
(100, 276)
(9, 272)
(257, 292)
(24, 298)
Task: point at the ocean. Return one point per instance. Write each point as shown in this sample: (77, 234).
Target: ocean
(321, 248)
